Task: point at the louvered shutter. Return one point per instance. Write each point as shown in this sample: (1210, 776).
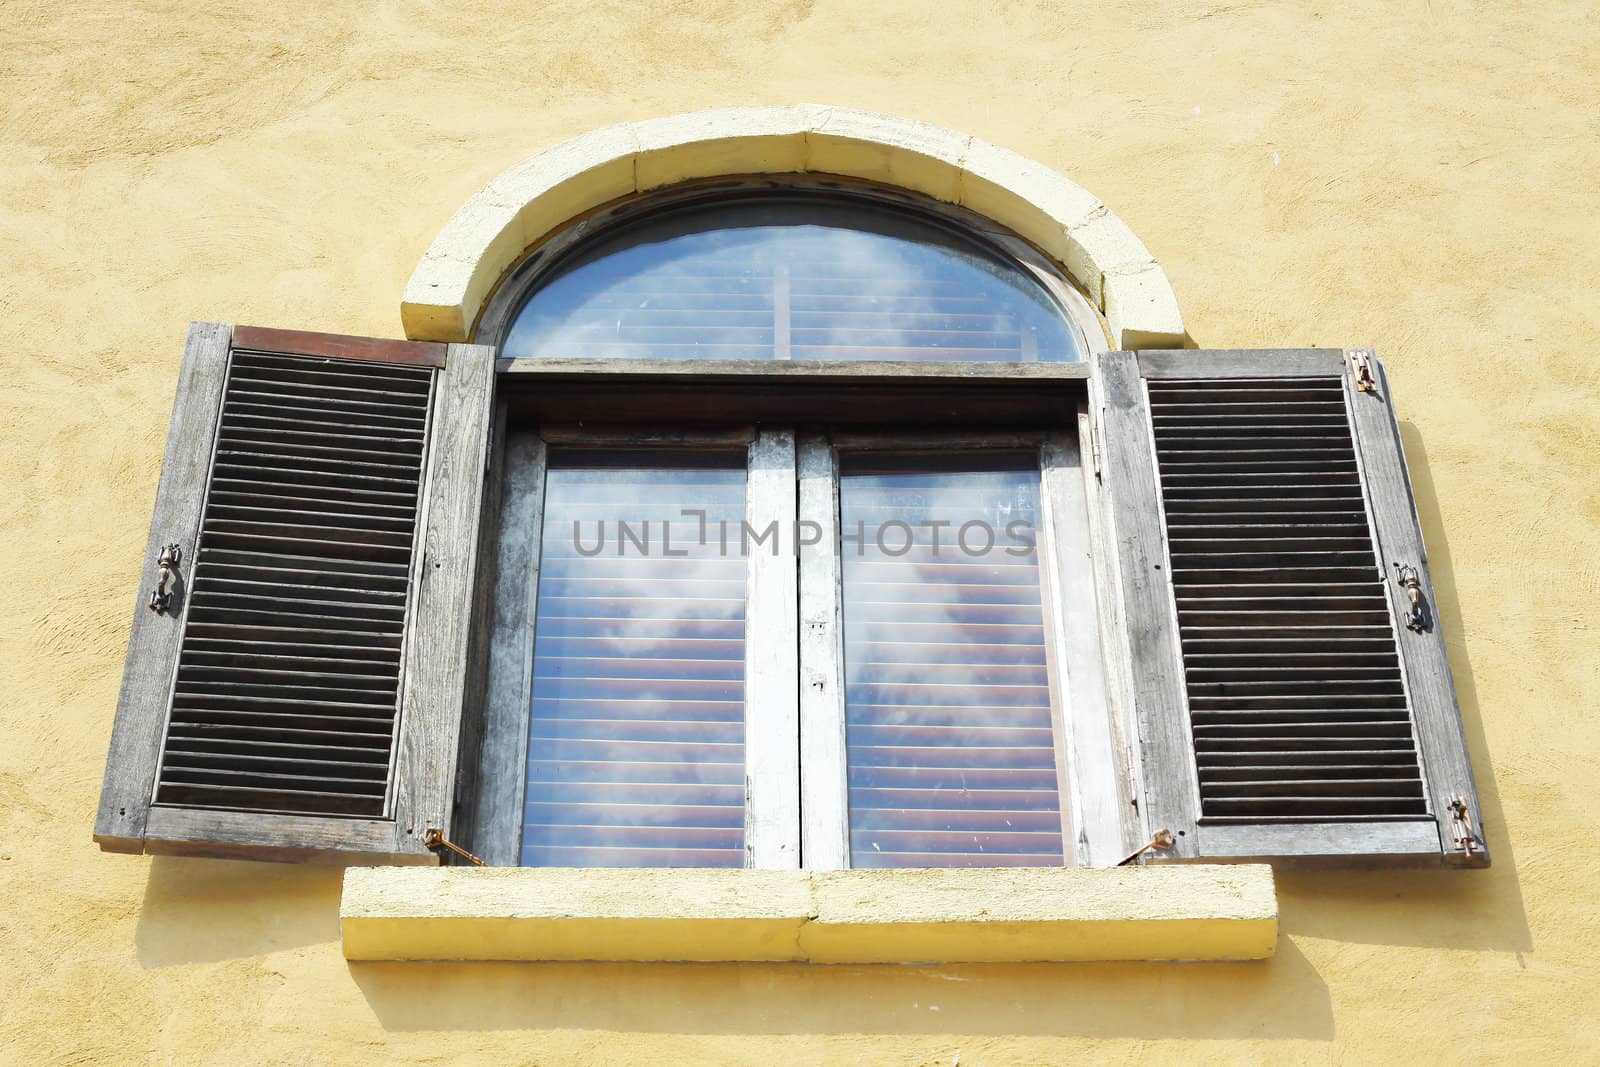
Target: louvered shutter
(1269, 548)
(300, 694)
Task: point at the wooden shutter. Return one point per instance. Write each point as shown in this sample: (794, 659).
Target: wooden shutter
(300, 695)
(1266, 539)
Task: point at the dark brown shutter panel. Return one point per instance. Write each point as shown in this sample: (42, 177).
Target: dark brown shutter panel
(288, 680)
(1296, 702)
(1285, 710)
(273, 708)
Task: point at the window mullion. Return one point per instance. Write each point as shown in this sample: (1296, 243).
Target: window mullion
(825, 825)
(1084, 735)
(772, 716)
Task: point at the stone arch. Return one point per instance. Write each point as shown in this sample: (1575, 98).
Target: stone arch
(524, 204)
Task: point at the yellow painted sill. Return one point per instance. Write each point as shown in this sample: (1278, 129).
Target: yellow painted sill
(1168, 912)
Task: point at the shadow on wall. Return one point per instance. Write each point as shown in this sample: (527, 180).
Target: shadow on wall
(1480, 910)
(1280, 998)
(212, 910)
(205, 911)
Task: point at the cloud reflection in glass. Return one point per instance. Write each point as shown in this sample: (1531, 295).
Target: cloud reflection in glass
(949, 731)
(636, 747)
(790, 278)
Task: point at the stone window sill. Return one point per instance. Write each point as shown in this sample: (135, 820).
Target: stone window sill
(1162, 912)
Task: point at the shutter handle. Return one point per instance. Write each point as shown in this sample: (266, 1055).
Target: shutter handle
(1410, 579)
(161, 597)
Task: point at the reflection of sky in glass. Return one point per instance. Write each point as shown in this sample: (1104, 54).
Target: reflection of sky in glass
(636, 750)
(790, 279)
(949, 735)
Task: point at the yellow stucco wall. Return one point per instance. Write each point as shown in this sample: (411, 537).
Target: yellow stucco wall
(1422, 178)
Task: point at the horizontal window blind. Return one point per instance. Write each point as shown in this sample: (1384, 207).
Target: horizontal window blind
(786, 280)
(949, 719)
(859, 304)
(636, 741)
(289, 672)
(1296, 698)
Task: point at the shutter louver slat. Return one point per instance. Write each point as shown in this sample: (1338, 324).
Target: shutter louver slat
(1298, 708)
(288, 679)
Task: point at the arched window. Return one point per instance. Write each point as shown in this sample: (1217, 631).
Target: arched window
(780, 520)
(791, 273)
(658, 719)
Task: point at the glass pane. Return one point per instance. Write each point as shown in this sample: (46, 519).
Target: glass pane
(949, 726)
(636, 751)
(791, 279)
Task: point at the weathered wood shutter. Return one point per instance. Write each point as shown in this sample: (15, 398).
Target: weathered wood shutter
(300, 694)
(1287, 703)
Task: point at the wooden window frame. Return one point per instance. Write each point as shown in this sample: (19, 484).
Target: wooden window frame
(872, 397)
(798, 806)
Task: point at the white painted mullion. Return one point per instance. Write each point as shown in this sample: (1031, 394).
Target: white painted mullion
(772, 714)
(1116, 664)
(825, 813)
(1067, 566)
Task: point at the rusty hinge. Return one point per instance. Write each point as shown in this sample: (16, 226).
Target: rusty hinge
(436, 840)
(1161, 842)
(1461, 831)
(1361, 364)
(167, 567)
(1410, 579)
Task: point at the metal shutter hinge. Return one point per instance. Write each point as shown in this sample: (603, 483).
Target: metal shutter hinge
(1418, 619)
(1461, 827)
(161, 597)
(1361, 364)
(436, 840)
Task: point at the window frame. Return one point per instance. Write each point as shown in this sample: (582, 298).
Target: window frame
(554, 400)
(797, 807)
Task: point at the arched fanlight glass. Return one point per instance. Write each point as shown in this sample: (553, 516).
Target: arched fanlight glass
(790, 277)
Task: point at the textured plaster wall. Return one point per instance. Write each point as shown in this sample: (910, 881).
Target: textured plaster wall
(1419, 177)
